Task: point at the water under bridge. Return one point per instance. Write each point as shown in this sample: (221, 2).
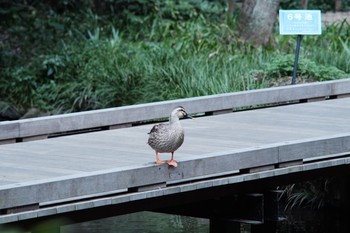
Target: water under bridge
(96, 164)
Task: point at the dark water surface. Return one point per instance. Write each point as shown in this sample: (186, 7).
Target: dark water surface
(299, 221)
(142, 222)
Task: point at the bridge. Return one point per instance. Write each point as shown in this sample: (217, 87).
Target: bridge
(96, 164)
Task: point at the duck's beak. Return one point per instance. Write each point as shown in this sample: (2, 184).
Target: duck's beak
(188, 116)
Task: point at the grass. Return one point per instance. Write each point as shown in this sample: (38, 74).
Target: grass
(64, 58)
(321, 193)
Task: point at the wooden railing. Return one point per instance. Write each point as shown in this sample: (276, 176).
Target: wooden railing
(43, 127)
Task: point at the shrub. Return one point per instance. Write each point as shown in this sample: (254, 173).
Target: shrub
(63, 58)
(283, 65)
(91, 75)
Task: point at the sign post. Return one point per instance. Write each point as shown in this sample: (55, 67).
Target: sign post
(299, 22)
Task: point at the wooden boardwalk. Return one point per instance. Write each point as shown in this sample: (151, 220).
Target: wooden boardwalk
(70, 155)
(58, 169)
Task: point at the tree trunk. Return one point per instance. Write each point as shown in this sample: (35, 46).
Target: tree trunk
(337, 6)
(256, 21)
(231, 9)
(304, 4)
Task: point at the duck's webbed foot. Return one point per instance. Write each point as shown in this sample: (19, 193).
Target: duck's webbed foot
(172, 163)
(158, 161)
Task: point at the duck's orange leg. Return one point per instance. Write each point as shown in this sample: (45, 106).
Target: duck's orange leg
(172, 162)
(158, 161)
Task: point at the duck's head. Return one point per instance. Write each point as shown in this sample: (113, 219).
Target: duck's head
(180, 112)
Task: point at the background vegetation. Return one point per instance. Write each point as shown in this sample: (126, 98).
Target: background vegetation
(73, 55)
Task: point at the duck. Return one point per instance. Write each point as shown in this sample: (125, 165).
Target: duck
(168, 137)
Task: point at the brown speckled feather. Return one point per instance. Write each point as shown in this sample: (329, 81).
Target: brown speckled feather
(168, 137)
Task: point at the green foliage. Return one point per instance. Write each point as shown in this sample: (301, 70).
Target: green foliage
(204, 74)
(17, 86)
(332, 47)
(314, 194)
(47, 226)
(324, 5)
(282, 65)
(92, 75)
(66, 56)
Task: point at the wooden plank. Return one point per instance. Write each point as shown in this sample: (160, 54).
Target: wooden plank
(144, 112)
(19, 209)
(258, 169)
(7, 141)
(310, 100)
(343, 96)
(109, 149)
(121, 126)
(20, 194)
(314, 147)
(9, 130)
(223, 111)
(34, 138)
(194, 185)
(110, 160)
(147, 187)
(290, 163)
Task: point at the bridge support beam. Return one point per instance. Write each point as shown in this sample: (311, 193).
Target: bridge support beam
(218, 225)
(259, 211)
(267, 226)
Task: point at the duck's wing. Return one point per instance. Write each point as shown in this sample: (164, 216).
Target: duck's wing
(158, 128)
